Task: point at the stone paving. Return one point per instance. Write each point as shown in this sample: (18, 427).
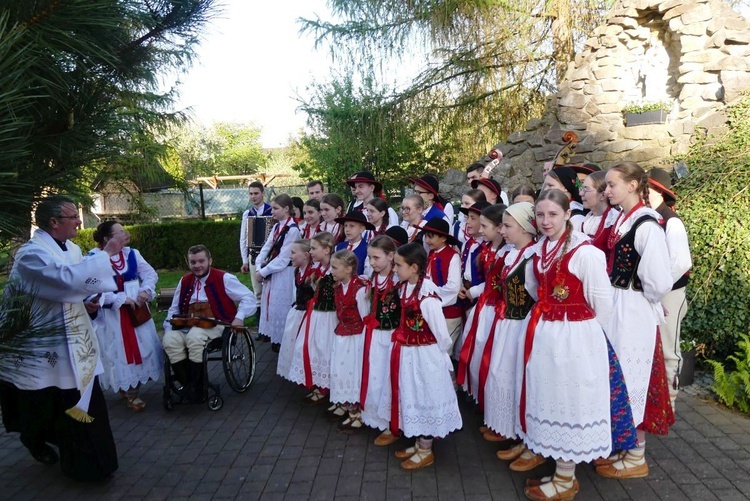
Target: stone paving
(265, 444)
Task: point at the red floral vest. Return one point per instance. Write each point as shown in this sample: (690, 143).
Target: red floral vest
(561, 293)
(350, 322)
(413, 329)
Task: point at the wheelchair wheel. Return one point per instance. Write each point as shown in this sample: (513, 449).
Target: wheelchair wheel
(238, 358)
(215, 403)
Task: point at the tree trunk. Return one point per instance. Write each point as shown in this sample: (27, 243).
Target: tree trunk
(563, 48)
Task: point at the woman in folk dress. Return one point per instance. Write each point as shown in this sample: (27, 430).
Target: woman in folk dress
(638, 258)
(130, 355)
(272, 268)
(573, 401)
(500, 362)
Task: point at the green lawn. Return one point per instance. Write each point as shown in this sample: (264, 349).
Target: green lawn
(169, 279)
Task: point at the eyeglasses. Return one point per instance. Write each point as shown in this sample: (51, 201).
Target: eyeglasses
(585, 189)
(405, 210)
(418, 192)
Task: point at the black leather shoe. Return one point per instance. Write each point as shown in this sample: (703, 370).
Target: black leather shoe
(275, 347)
(43, 453)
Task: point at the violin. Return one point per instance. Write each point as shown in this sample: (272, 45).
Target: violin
(562, 157)
(184, 322)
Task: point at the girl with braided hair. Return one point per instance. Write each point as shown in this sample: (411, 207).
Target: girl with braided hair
(640, 279)
(311, 362)
(419, 399)
(573, 403)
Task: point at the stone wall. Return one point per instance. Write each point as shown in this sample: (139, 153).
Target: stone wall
(691, 54)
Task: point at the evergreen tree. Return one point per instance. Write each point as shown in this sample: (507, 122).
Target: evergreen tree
(79, 80)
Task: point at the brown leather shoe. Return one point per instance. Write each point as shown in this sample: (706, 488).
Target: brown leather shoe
(491, 436)
(421, 462)
(536, 493)
(512, 453)
(406, 453)
(611, 459)
(527, 464)
(386, 438)
(536, 482)
(636, 471)
(483, 429)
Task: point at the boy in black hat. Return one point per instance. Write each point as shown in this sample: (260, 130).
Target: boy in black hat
(364, 188)
(662, 198)
(428, 187)
(355, 225)
(444, 269)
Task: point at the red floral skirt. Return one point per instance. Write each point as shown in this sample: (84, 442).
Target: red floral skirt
(658, 415)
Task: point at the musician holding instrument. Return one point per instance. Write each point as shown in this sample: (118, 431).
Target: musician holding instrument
(258, 209)
(206, 300)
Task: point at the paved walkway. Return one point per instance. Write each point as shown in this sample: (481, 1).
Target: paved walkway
(265, 445)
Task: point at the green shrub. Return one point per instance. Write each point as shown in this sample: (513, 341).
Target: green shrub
(733, 388)
(165, 245)
(713, 201)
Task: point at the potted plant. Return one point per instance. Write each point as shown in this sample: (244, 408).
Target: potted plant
(646, 113)
(689, 348)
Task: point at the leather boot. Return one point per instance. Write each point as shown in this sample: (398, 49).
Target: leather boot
(180, 370)
(195, 387)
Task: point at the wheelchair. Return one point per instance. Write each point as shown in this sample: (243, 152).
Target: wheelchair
(235, 350)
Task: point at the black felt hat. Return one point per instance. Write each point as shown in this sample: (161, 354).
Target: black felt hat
(398, 235)
(429, 183)
(364, 177)
(478, 207)
(490, 183)
(661, 181)
(440, 226)
(355, 217)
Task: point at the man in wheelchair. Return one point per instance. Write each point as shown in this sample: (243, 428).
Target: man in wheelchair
(204, 293)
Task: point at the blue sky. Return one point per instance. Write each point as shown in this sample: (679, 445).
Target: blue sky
(250, 64)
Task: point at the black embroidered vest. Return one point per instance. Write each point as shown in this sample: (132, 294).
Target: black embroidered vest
(325, 294)
(518, 302)
(624, 274)
(388, 310)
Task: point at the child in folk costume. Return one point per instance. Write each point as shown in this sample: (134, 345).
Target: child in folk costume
(385, 313)
(573, 400)
(313, 222)
(444, 270)
(332, 207)
(272, 268)
(311, 362)
(480, 322)
(598, 222)
(130, 354)
(459, 225)
(640, 277)
(498, 371)
(348, 343)
(419, 400)
(472, 272)
(303, 270)
(355, 224)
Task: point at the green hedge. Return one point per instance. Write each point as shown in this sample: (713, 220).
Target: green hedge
(165, 245)
(713, 202)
